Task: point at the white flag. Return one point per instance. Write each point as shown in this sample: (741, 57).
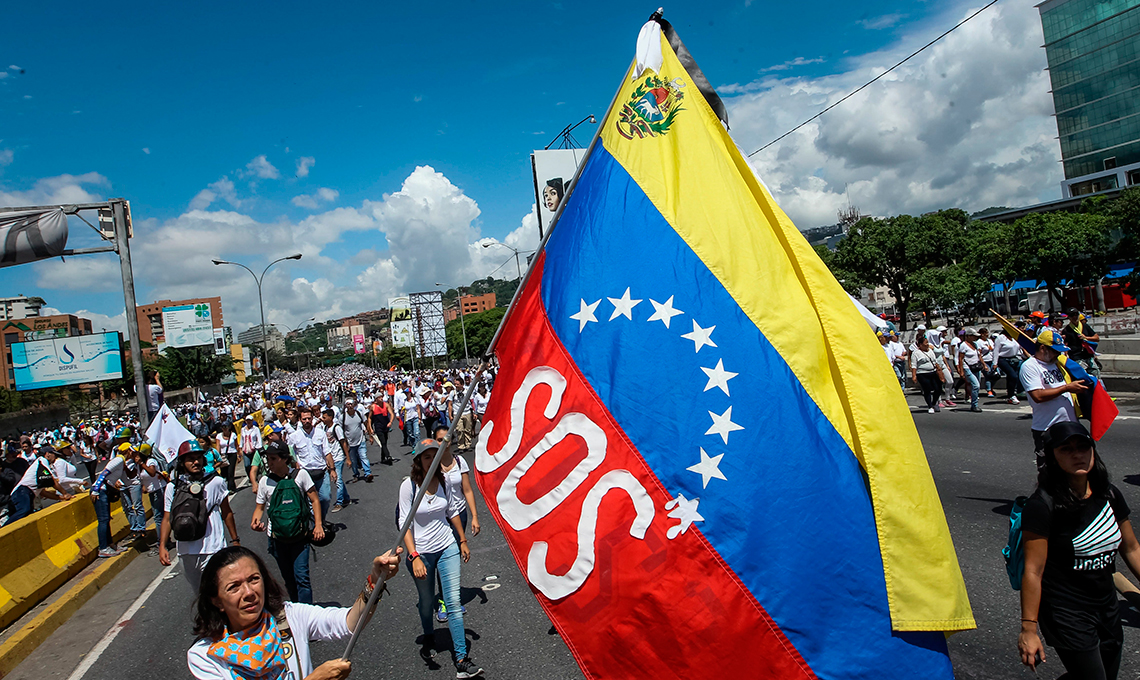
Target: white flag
(166, 434)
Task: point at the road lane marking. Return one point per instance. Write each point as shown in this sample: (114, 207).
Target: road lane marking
(97, 651)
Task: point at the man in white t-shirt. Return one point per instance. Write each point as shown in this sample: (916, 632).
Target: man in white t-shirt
(337, 445)
(190, 481)
(1044, 382)
(292, 555)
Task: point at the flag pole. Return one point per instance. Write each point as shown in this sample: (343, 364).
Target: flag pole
(483, 365)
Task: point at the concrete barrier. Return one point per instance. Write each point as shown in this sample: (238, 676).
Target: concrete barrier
(42, 551)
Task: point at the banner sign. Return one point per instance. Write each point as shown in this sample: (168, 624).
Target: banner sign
(188, 325)
(66, 361)
(220, 347)
(358, 344)
(400, 313)
(32, 235)
(553, 170)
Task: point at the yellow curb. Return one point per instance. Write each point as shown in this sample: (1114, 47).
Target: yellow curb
(35, 632)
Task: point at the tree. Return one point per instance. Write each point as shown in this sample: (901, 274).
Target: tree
(395, 356)
(1056, 246)
(181, 367)
(993, 253)
(481, 329)
(890, 251)
(1123, 215)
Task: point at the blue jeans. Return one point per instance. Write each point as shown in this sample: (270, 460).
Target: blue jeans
(156, 501)
(103, 516)
(342, 498)
(22, 503)
(447, 563)
(293, 561)
(133, 507)
(972, 377)
(414, 430)
(321, 481)
(1012, 379)
(358, 457)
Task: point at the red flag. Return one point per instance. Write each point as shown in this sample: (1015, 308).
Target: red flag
(1103, 411)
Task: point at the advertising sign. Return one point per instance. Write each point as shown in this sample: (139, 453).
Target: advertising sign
(220, 347)
(188, 325)
(66, 361)
(553, 171)
(358, 344)
(400, 309)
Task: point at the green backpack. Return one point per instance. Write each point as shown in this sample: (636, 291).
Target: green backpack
(289, 511)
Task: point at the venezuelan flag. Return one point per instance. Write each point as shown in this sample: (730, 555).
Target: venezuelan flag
(698, 457)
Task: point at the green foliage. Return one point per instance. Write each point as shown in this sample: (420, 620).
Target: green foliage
(1123, 215)
(395, 356)
(183, 367)
(481, 329)
(1054, 246)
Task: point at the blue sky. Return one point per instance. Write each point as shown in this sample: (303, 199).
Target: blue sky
(161, 101)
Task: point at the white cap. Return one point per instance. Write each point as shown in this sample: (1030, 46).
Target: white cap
(921, 327)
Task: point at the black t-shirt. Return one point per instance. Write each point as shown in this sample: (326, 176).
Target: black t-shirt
(20, 466)
(1083, 541)
(1073, 340)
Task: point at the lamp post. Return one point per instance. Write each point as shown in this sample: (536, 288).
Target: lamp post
(260, 300)
(462, 325)
(516, 252)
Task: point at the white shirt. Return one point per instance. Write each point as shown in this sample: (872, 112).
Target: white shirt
(310, 447)
(986, 347)
(227, 445)
(889, 351)
(431, 530)
(454, 478)
(1007, 348)
(479, 403)
(1036, 375)
(29, 478)
(898, 349)
(969, 355)
(265, 487)
(335, 434)
(307, 622)
(214, 540)
(353, 424)
(923, 362)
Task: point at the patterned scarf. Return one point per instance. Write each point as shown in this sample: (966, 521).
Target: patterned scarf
(253, 654)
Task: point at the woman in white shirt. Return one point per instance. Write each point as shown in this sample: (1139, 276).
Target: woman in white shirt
(246, 629)
(924, 371)
(970, 366)
(432, 546)
(227, 443)
(83, 453)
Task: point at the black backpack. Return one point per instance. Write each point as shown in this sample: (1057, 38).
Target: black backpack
(9, 478)
(189, 512)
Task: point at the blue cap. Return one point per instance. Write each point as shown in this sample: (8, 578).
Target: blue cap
(1051, 338)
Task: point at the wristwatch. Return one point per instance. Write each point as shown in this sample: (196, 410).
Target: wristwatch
(414, 556)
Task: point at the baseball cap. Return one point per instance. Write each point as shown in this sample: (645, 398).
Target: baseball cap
(278, 449)
(920, 327)
(1038, 314)
(249, 417)
(970, 330)
(426, 445)
(267, 430)
(1051, 338)
(940, 328)
(1059, 433)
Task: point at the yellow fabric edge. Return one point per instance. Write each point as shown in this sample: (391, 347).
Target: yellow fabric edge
(925, 589)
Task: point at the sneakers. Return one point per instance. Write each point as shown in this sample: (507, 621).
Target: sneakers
(441, 613)
(107, 552)
(990, 394)
(336, 508)
(937, 408)
(368, 479)
(975, 409)
(466, 668)
(1012, 400)
(930, 410)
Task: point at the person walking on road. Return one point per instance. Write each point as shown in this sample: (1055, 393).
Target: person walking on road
(357, 430)
(337, 445)
(1072, 527)
(227, 442)
(432, 547)
(924, 373)
(1007, 357)
(310, 445)
(1044, 382)
(196, 508)
(251, 444)
(289, 540)
(458, 475)
(383, 417)
(246, 629)
(970, 366)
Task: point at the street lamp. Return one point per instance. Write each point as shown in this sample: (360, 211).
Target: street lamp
(260, 301)
(462, 325)
(488, 244)
(292, 329)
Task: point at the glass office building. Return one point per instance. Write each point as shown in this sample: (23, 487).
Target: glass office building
(1093, 51)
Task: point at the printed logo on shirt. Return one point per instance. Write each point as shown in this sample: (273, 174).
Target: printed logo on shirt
(1095, 547)
(1052, 376)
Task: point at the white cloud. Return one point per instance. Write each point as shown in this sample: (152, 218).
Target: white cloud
(303, 165)
(261, 167)
(15, 68)
(223, 188)
(99, 322)
(885, 21)
(3, 75)
(6, 156)
(146, 150)
(313, 201)
(88, 273)
(57, 191)
(787, 65)
(965, 124)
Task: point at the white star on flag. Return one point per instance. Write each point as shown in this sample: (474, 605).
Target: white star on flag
(623, 306)
(684, 510)
(723, 424)
(708, 468)
(663, 312)
(585, 315)
(718, 377)
(700, 336)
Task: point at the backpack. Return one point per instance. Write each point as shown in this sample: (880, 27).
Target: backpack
(288, 511)
(1014, 550)
(189, 511)
(44, 477)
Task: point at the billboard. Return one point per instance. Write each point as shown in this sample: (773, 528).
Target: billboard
(553, 171)
(400, 309)
(428, 324)
(188, 325)
(220, 348)
(66, 361)
(358, 344)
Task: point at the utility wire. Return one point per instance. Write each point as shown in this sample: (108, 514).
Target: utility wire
(869, 82)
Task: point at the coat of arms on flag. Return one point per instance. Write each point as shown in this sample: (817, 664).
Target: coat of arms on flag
(688, 449)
